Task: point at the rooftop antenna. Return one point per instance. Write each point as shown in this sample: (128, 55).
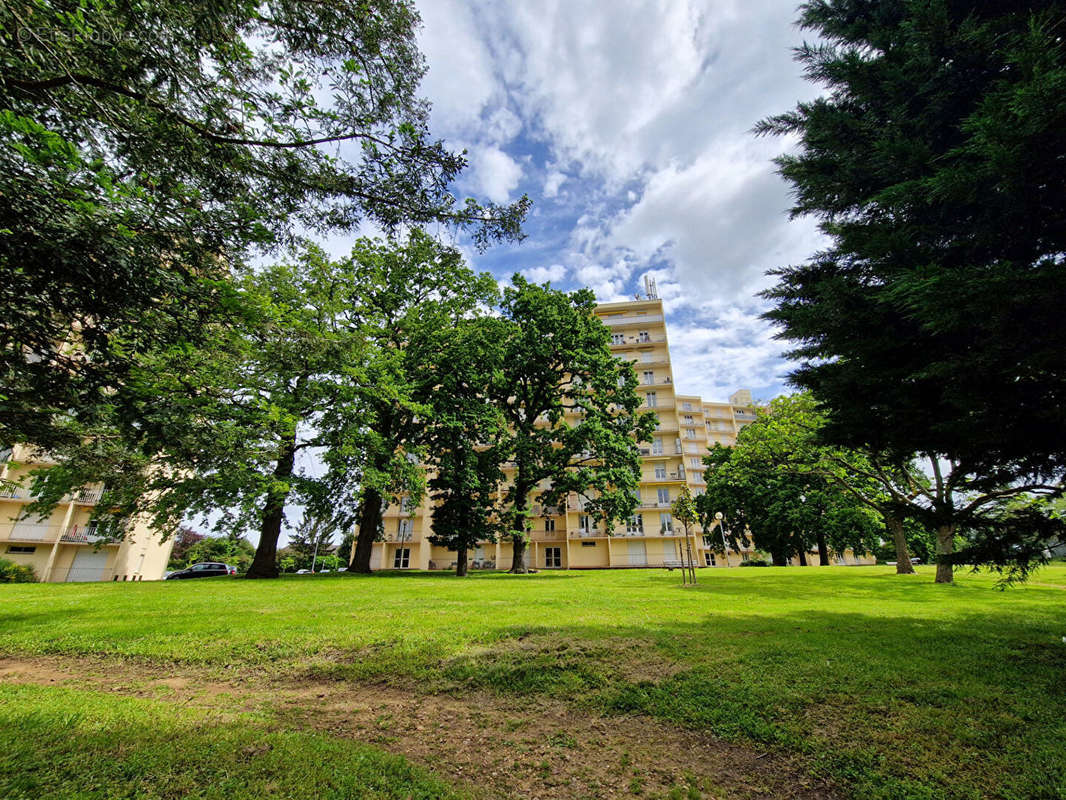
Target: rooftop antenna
(649, 288)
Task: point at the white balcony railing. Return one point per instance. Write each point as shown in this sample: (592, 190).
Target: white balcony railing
(636, 319)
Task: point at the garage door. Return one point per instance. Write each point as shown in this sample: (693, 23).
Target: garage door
(89, 565)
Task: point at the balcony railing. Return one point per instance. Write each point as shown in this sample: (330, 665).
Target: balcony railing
(636, 319)
(79, 534)
(629, 341)
(12, 493)
(88, 496)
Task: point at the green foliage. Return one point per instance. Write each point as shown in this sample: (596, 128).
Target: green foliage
(410, 296)
(312, 537)
(933, 159)
(557, 360)
(236, 552)
(148, 150)
(10, 572)
(467, 437)
(184, 539)
(787, 491)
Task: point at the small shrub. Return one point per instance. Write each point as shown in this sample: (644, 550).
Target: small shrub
(10, 572)
(755, 562)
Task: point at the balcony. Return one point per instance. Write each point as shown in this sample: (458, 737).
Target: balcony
(636, 319)
(88, 496)
(13, 493)
(637, 341)
(670, 477)
(399, 537)
(78, 534)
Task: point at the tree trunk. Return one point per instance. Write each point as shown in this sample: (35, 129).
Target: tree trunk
(265, 562)
(823, 550)
(518, 538)
(779, 558)
(945, 546)
(460, 562)
(802, 558)
(518, 556)
(369, 525)
(903, 556)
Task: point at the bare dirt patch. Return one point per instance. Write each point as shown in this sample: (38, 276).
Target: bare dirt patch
(522, 747)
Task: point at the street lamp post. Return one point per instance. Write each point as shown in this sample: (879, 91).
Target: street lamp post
(721, 530)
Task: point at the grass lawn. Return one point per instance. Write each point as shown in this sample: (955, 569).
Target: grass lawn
(890, 686)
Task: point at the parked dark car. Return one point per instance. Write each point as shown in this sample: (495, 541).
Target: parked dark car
(205, 569)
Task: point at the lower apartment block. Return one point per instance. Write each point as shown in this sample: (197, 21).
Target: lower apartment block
(66, 546)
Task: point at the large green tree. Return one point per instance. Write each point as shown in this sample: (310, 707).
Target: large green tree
(572, 409)
(932, 322)
(408, 296)
(238, 414)
(148, 149)
(467, 437)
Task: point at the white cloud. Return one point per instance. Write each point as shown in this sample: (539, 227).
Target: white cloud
(554, 273)
(552, 183)
(494, 173)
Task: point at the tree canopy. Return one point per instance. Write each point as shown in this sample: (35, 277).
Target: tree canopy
(932, 323)
(147, 149)
(570, 406)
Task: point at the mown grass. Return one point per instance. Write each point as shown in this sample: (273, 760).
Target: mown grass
(64, 743)
(891, 685)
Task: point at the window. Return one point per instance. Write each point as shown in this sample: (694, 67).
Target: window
(21, 548)
(687, 406)
(618, 338)
(681, 472)
(549, 525)
(588, 544)
(402, 559)
(647, 356)
(690, 449)
(660, 473)
(649, 398)
(690, 433)
(403, 529)
(584, 522)
(649, 377)
(694, 462)
(666, 522)
(688, 419)
(664, 496)
(635, 524)
(657, 446)
(708, 559)
(643, 336)
(553, 557)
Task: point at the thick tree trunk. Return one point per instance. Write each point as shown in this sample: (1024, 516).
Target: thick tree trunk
(369, 524)
(823, 550)
(518, 557)
(945, 546)
(903, 556)
(460, 562)
(779, 558)
(802, 558)
(518, 539)
(265, 562)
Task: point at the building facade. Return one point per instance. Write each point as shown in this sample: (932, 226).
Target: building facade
(567, 538)
(65, 546)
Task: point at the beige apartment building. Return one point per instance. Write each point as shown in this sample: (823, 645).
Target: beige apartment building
(567, 538)
(65, 546)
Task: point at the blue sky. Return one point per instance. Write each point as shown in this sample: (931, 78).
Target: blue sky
(627, 124)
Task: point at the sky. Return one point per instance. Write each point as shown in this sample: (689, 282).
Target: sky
(628, 124)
